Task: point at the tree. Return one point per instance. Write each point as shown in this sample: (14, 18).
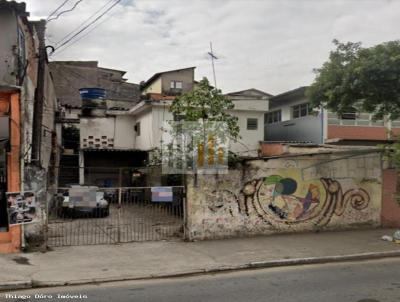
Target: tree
(206, 103)
(200, 113)
(367, 79)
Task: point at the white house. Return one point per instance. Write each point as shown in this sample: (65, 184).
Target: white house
(137, 132)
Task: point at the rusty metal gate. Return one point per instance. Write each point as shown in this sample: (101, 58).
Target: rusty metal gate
(124, 214)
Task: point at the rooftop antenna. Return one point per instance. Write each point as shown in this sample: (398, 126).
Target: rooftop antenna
(213, 57)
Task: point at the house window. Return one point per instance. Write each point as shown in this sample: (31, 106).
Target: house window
(274, 117)
(176, 85)
(300, 110)
(137, 129)
(252, 124)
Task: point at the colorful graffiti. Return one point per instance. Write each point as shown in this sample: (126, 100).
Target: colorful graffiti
(280, 200)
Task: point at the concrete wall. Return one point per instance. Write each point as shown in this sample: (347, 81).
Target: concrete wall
(124, 132)
(8, 39)
(161, 115)
(70, 76)
(50, 106)
(111, 132)
(155, 87)
(145, 141)
(249, 141)
(297, 194)
(186, 76)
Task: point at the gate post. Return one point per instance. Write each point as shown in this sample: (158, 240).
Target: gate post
(119, 215)
(46, 225)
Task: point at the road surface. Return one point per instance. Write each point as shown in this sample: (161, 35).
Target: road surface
(365, 281)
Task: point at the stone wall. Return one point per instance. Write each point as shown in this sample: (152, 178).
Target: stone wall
(293, 194)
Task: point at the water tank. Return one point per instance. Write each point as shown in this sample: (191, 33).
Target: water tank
(93, 98)
(92, 93)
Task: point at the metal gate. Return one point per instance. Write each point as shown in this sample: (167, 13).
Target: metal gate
(125, 214)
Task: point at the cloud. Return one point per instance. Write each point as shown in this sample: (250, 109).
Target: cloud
(266, 44)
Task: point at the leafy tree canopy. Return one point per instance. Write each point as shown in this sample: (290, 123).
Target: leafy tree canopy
(367, 79)
(206, 103)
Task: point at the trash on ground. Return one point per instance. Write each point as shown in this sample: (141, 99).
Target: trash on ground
(387, 238)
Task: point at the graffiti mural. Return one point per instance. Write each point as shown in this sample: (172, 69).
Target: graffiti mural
(281, 201)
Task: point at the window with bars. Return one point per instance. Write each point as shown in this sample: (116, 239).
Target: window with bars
(273, 117)
(252, 124)
(300, 110)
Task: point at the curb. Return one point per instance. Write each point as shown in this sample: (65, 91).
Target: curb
(11, 285)
(195, 272)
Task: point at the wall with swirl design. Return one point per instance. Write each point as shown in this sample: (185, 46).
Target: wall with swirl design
(305, 193)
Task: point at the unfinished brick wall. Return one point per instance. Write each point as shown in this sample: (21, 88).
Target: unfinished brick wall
(390, 215)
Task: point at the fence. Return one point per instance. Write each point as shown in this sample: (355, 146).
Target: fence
(123, 214)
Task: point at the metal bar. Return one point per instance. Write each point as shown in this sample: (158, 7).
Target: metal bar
(119, 216)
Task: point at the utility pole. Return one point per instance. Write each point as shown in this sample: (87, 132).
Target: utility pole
(213, 57)
(39, 95)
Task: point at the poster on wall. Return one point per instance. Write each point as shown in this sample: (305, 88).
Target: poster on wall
(22, 207)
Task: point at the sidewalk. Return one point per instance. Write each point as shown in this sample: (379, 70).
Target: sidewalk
(88, 264)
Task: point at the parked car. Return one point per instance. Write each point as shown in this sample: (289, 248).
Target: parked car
(83, 201)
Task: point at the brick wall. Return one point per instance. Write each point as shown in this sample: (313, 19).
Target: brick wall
(359, 132)
(353, 132)
(390, 214)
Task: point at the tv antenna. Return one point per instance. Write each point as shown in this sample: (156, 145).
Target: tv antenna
(213, 57)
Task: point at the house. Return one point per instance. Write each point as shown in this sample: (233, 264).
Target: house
(82, 121)
(291, 119)
(117, 135)
(28, 153)
(250, 108)
(168, 84)
(153, 111)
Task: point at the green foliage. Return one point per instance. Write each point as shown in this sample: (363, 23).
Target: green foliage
(391, 153)
(367, 79)
(206, 103)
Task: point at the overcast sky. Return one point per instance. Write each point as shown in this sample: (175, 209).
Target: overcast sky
(270, 45)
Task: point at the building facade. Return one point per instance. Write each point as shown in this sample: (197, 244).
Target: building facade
(27, 107)
(292, 119)
(82, 123)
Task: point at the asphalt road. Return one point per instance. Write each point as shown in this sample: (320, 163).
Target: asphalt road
(366, 281)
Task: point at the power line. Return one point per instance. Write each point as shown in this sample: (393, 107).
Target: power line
(57, 9)
(88, 25)
(83, 36)
(80, 25)
(65, 11)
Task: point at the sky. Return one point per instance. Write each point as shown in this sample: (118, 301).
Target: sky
(271, 45)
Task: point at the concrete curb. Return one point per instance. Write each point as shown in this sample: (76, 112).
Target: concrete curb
(251, 265)
(12, 285)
